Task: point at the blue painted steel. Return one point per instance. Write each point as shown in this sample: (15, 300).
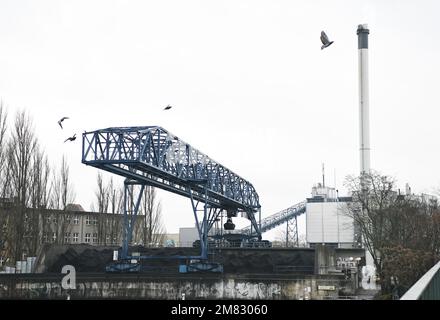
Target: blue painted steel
(123, 266)
(154, 156)
(202, 267)
(130, 212)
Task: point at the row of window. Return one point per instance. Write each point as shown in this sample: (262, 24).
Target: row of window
(87, 238)
(89, 220)
(74, 237)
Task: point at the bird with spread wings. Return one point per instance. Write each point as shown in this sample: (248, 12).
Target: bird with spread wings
(61, 121)
(325, 41)
(73, 138)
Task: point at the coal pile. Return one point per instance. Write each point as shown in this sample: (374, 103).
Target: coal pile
(87, 258)
(267, 261)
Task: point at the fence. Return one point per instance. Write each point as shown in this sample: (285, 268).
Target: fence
(427, 288)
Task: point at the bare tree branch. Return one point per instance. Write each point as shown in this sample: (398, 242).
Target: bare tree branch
(392, 223)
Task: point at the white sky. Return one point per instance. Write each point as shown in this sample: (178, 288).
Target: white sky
(249, 83)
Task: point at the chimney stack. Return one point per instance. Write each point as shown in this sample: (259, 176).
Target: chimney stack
(364, 118)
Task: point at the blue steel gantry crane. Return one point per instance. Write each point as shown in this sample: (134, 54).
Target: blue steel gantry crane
(152, 156)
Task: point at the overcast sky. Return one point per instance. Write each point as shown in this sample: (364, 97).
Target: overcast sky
(249, 83)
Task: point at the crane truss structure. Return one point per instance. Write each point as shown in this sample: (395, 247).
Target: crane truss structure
(153, 156)
(286, 215)
(292, 232)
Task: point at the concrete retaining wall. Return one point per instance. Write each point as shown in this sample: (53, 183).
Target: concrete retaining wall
(171, 288)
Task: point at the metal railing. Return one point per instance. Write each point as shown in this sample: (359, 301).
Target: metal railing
(427, 288)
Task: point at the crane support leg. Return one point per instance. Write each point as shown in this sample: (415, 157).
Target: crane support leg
(205, 224)
(131, 209)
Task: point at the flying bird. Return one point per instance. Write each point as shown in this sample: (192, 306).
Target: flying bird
(73, 138)
(168, 107)
(61, 120)
(325, 41)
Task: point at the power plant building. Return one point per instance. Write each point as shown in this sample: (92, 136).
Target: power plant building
(327, 219)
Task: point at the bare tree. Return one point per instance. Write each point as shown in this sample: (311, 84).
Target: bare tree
(102, 194)
(281, 239)
(116, 203)
(369, 210)
(148, 226)
(20, 151)
(3, 180)
(62, 193)
(21, 148)
(116, 198)
(24, 177)
(3, 153)
(39, 198)
(40, 187)
(151, 229)
(55, 196)
(67, 196)
(67, 191)
(62, 189)
(393, 226)
(109, 205)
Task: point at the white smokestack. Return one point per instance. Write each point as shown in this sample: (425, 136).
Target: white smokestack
(364, 118)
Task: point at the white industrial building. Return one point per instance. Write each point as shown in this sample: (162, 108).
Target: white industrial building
(327, 220)
(187, 236)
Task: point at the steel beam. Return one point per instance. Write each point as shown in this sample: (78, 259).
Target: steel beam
(152, 156)
(277, 219)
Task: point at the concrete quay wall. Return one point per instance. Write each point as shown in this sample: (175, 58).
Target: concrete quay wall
(216, 287)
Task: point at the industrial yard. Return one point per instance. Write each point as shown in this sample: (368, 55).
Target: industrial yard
(214, 152)
(278, 274)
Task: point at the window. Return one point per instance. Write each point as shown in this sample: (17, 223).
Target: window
(95, 238)
(88, 220)
(87, 239)
(115, 240)
(75, 237)
(95, 221)
(55, 220)
(54, 236)
(67, 237)
(48, 219)
(46, 237)
(76, 220)
(68, 219)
